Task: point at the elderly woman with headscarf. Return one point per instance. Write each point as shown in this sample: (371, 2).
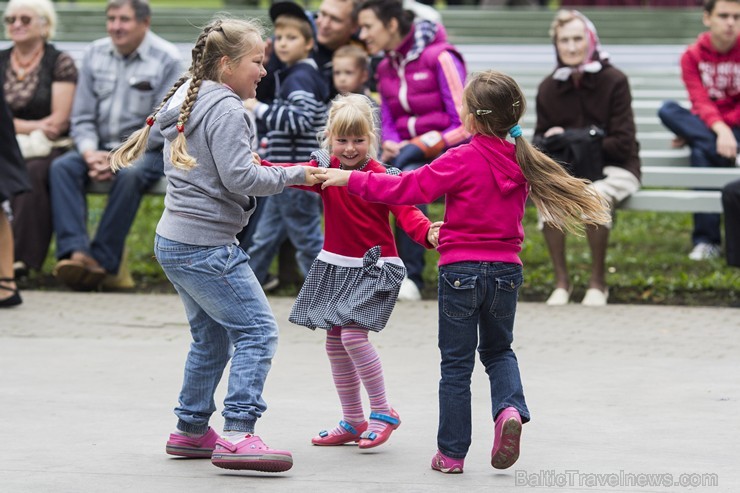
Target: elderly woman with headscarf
(585, 121)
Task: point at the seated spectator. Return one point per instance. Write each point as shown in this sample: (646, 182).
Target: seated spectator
(420, 81)
(39, 83)
(350, 70)
(292, 120)
(711, 129)
(13, 181)
(731, 208)
(585, 121)
(122, 78)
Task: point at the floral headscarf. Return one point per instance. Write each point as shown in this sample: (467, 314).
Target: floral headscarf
(594, 56)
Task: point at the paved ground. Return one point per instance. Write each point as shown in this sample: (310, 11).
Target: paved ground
(618, 396)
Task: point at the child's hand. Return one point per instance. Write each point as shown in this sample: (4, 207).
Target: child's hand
(433, 233)
(313, 175)
(333, 177)
(256, 159)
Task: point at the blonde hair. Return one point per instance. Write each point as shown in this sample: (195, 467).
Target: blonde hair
(42, 8)
(495, 104)
(351, 115)
(230, 38)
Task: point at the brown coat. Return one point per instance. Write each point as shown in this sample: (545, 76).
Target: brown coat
(602, 99)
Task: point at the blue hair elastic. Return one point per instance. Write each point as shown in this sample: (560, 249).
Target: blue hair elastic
(515, 131)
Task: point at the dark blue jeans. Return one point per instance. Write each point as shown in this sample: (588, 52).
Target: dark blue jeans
(703, 143)
(477, 304)
(67, 181)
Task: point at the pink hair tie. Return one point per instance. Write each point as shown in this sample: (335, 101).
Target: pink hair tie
(150, 120)
(180, 127)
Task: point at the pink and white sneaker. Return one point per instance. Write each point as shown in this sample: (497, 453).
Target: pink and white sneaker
(195, 448)
(252, 454)
(507, 433)
(447, 465)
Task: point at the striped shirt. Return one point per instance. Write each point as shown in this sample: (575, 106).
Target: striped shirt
(115, 94)
(296, 114)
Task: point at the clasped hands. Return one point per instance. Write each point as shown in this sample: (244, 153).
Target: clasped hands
(327, 177)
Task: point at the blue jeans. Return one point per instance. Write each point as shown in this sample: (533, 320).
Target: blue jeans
(477, 304)
(293, 214)
(411, 252)
(227, 311)
(67, 181)
(703, 143)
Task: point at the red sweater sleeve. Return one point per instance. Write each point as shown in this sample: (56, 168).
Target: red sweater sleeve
(701, 104)
(413, 222)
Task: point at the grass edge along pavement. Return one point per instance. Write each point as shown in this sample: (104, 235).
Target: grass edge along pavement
(647, 261)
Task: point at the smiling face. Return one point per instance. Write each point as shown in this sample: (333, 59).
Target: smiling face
(571, 41)
(124, 29)
(334, 23)
(244, 75)
(723, 24)
(27, 26)
(376, 36)
(352, 150)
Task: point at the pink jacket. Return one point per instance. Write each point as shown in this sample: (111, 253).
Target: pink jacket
(485, 193)
(421, 85)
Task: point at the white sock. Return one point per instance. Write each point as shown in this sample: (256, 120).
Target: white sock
(234, 436)
(186, 434)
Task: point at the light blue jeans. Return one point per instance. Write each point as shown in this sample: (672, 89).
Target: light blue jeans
(228, 313)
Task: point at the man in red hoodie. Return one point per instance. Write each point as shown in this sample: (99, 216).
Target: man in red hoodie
(711, 72)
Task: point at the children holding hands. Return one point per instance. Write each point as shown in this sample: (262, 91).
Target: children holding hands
(479, 267)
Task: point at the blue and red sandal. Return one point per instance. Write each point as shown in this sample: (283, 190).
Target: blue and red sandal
(371, 439)
(351, 434)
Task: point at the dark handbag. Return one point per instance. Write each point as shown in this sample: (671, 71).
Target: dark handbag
(579, 150)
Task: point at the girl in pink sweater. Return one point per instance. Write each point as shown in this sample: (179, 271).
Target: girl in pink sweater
(485, 184)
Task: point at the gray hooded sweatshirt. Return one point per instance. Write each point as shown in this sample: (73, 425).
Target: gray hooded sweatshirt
(211, 203)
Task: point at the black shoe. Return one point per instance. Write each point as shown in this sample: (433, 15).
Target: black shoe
(14, 299)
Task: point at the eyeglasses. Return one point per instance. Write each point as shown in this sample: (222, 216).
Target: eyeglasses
(25, 19)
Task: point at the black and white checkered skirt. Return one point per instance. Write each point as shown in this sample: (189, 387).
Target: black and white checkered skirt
(341, 291)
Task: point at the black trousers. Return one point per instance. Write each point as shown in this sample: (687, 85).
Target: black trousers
(731, 205)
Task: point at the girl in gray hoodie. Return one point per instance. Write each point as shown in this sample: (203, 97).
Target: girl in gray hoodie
(211, 184)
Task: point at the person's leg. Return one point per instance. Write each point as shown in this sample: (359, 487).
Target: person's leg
(32, 226)
(347, 383)
(209, 351)
(301, 213)
(268, 235)
(598, 240)
(7, 284)
(67, 181)
(383, 420)
(127, 190)
(731, 207)
(496, 326)
(555, 240)
(411, 252)
(459, 290)
(703, 144)
(246, 234)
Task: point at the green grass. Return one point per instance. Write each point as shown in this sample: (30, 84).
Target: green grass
(647, 261)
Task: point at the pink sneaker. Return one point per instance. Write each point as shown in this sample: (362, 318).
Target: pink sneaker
(447, 465)
(196, 448)
(252, 454)
(506, 437)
